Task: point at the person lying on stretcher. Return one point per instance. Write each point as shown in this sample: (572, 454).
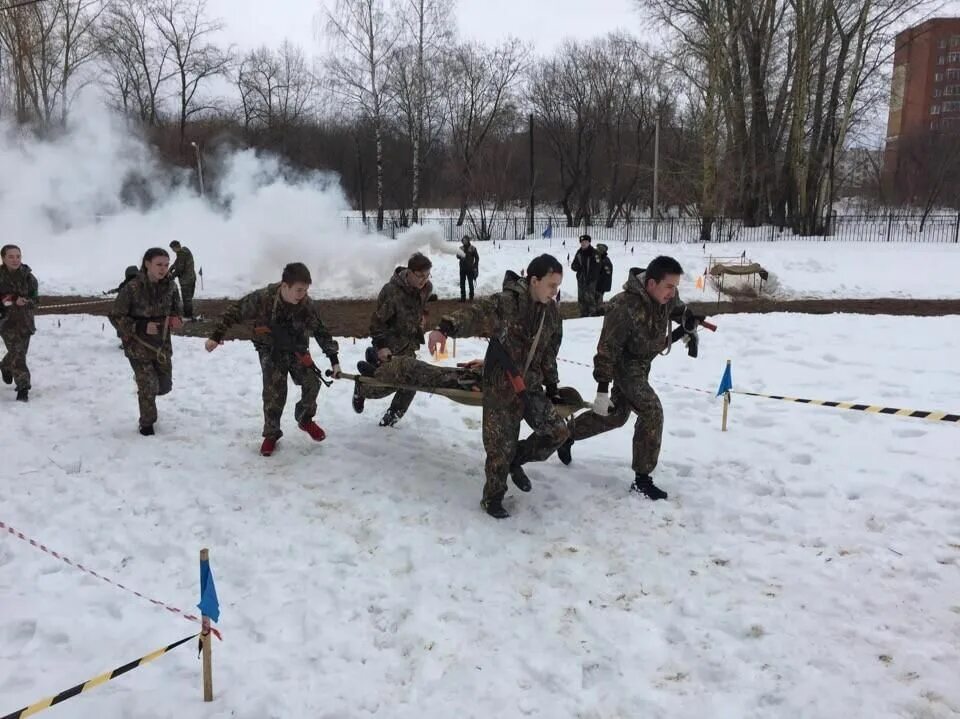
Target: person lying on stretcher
(411, 372)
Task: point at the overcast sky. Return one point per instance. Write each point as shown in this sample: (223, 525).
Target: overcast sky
(544, 23)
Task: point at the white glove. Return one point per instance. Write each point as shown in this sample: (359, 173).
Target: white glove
(602, 404)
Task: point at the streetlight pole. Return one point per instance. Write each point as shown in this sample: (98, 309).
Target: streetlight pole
(199, 167)
(656, 174)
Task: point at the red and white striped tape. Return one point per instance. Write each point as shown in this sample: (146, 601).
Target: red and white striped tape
(20, 535)
(669, 384)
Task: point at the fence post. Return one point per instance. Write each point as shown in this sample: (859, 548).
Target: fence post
(889, 225)
(956, 230)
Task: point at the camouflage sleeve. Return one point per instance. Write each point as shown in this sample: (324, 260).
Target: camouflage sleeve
(613, 339)
(548, 368)
(176, 306)
(243, 309)
(323, 337)
(382, 326)
(177, 267)
(126, 325)
(473, 321)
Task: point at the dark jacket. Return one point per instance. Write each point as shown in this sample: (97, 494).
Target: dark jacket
(605, 277)
(16, 284)
(469, 260)
(586, 265)
(397, 322)
(183, 267)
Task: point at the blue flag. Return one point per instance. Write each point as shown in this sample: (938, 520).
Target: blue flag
(209, 605)
(726, 382)
(548, 233)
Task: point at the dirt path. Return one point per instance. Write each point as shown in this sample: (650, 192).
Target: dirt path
(351, 318)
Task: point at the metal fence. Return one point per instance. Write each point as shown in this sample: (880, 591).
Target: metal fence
(892, 227)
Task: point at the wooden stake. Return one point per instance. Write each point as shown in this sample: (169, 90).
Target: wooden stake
(726, 405)
(454, 347)
(207, 639)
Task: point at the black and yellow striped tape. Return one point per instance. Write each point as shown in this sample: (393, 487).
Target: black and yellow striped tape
(95, 682)
(872, 408)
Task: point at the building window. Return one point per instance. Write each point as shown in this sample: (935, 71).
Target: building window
(954, 57)
(952, 106)
(942, 44)
(941, 60)
(953, 74)
(938, 92)
(933, 125)
(951, 90)
(955, 41)
(935, 109)
(938, 77)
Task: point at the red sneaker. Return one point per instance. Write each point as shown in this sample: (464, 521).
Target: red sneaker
(269, 444)
(314, 430)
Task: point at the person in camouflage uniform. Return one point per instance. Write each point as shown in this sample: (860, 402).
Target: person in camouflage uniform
(636, 328)
(411, 372)
(284, 319)
(18, 299)
(128, 275)
(604, 277)
(183, 270)
(396, 329)
(144, 312)
(587, 266)
(520, 379)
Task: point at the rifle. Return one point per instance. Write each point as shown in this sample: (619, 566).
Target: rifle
(692, 344)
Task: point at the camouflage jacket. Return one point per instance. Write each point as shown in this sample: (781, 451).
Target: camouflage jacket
(20, 283)
(397, 322)
(140, 302)
(271, 316)
(183, 267)
(636, 328)
(512, 316)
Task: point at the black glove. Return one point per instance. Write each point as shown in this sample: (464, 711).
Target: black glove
(692, 341)
(553, 393)
(446, 326)
(690, 321)
(432, 298)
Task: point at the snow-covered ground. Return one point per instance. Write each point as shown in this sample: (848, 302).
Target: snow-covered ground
(806, 564)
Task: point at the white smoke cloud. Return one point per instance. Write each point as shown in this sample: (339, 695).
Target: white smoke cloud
(89, 202)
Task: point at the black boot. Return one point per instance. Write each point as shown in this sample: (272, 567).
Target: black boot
(22, 395)
(520, 478)
(358, 398)
(7, 376)
(563, 451)
(494, 507)
(390, 418)
(146, 430)
(644, 485)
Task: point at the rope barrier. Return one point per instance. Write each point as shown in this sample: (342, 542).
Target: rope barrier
(32, 542)
(39, 706)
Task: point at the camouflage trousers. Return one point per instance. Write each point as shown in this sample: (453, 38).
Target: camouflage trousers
(501, 433)
(587, 299)
(632, 393)
(403, 397)
(411, 371)
(154, 379)
(275, 392)
(187, 291)
(15, 360)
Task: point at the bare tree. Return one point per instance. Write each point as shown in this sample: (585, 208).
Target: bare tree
(365, 37)
(277, 89)
(47, 44)
(137, 59)
(183, 26)
(479, 96)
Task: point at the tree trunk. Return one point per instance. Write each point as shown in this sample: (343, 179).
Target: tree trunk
(379, 137)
